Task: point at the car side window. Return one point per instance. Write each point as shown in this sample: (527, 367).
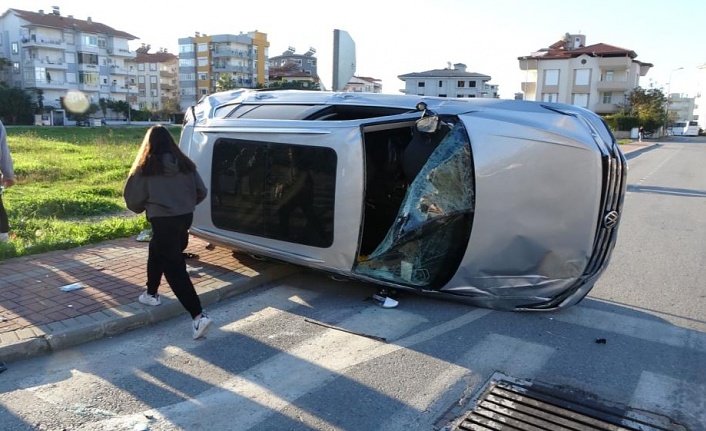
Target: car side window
(277, 191)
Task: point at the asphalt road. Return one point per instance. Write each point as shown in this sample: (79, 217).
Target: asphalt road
(638, 340)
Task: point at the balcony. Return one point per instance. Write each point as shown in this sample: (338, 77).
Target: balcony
(120, 52)
(117, 70)
(606, 108)
(231, 53)
(47, 63)
(529, 87)
(230, 68)
(40, 42)
(47, 84)
(615, 62)
(620, 86)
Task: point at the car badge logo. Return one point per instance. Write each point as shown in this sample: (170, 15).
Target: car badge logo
(611, 219)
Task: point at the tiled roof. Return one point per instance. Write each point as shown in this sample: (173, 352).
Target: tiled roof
(557, 51)
(156, 57)
(65, 22)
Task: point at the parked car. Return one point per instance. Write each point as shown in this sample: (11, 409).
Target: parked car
(504, 204)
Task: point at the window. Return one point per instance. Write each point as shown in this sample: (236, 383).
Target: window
(550, 97)
(89, 40)
(441, 84)
(16, 67)
(299, 182)
(88, 78)
(420, 84)
(153, 79)
(580, 99)
(15, 48)
(442, 95)
(102, 44)
(608, 75)
(203, 76)
(582, 76)
(153, 67)
(472, 84)
(607, 97)
(461, 84)
(203, 61)
(202, 47)
(87, 58)
(551, 77)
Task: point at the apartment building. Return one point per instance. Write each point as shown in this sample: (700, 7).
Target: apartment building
(449, 82)
(157, 80)
(55, 54)
(290, 61)
(599, 77)
(203, 59)
(363, 84)
(293, 67)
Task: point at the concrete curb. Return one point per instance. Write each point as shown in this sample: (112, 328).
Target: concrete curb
(45, 339)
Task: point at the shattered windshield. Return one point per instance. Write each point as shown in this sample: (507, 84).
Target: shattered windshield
(428, 238)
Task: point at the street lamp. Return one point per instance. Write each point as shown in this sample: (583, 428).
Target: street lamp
(669, 89)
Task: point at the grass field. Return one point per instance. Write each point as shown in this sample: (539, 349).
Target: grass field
(68, 187)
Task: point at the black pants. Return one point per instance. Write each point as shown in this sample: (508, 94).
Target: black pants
(4, 223)
(170, 236)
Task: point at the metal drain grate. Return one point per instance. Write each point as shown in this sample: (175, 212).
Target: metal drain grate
(506, 405)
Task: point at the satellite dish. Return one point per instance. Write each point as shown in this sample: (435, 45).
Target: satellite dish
(343, 59)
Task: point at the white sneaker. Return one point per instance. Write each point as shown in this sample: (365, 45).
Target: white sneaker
(4, 237)
(148, 299)
(201, 325)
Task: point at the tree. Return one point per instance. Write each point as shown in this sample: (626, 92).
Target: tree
(16, 105)
(649, 106)
(226, 82)
(295, 85)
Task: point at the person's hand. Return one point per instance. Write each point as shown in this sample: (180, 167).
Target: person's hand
(8, 182)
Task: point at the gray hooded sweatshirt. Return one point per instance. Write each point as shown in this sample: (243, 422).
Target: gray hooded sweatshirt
(171, 194)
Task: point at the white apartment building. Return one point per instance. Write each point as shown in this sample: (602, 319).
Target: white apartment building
(449, 82)
(56, 54)
(157, 80)
(362, 84)
(599, 77)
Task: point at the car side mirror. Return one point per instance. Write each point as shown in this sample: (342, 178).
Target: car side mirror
(428, 124)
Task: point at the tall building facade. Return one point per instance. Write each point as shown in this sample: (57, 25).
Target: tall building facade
(449, 82)
(598, 77)
(203, 59)
(157, 80)
(53, 54)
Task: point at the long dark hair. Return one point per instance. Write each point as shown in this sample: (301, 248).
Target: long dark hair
(157, 142)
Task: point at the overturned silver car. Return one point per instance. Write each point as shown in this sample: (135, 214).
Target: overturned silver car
(503, 204)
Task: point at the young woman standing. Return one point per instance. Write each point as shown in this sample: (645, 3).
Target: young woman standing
(164, 183)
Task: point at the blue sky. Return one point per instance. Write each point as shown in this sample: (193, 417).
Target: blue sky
(395, 37)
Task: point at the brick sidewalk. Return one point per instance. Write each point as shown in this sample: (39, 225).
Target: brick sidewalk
(37, 317)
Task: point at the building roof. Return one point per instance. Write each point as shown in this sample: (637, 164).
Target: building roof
(156, 57)
(368, 79)
(558, 51)
(444, 73)
(55, 20)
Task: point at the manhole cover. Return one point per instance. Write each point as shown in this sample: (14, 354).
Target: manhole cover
(510, 404)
